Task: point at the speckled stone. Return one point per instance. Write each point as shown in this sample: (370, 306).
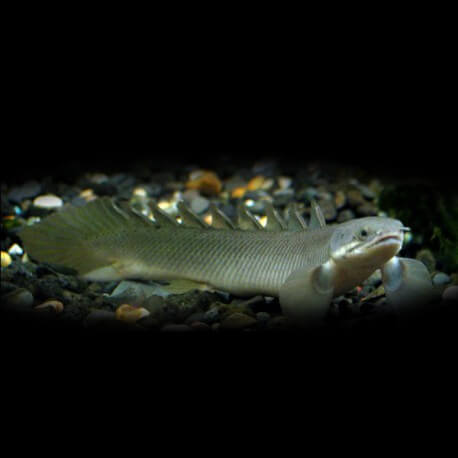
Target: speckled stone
(345, 215)
(355, 198)
(238, 321)
(367, 209)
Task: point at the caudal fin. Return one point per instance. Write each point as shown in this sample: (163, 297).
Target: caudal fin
(74, 237)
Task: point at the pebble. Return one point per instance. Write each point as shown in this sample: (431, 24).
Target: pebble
(19, 298)
(48, 202)
(340, 199)
(238, 321)
(355, 198)
(255, 183)
(307, 194)
(283, 197)
(205, 181)
(345, 215)
(6, 259)
(427, 258)
(199, 205)
(284, 182)
(366, 209)
(27, 191)
(329, 210)
(238, 193)
(441, 279)
(211, 316)
(15, 249)
(367, 192)
(450, 294)
(130, 314)
(56, 305)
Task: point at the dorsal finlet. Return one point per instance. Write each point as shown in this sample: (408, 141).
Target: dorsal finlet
(317, 219)
(161, 217)
(190, 219)
(274, 221)
(294, 218)
(245, 220)
(219, 219)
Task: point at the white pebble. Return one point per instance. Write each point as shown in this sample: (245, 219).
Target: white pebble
(284, 182)
(48, 201)
(15, 249)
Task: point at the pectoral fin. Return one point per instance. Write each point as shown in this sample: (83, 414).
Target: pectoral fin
(306, 294)
(408, 284)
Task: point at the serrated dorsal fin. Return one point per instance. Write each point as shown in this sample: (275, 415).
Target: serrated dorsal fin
(317, 219)
(161, 217)
(274, 221)
(294, 218)
(219, 219)
(190, 219)
(245, 220)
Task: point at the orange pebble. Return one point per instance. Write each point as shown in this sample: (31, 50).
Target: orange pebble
(255, 183)
(56, 305)
(238, 192)
(205, 181)
(130, 314)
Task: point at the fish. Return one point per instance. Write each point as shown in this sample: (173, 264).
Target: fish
(304, 265)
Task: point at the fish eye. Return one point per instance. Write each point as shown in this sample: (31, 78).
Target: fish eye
(363, 233)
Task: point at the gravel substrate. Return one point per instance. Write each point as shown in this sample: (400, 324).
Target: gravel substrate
(43, 293)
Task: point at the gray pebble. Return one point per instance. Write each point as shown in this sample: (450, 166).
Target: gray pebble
(366, 192)
(355, 198)
(19, 299)
(441, 279)
(283, 197)
(367, 209)
(19, 193)
(345, 215)
(211, 316)
(238, 321)
(329, 210)
(199, 205)
(307, 194)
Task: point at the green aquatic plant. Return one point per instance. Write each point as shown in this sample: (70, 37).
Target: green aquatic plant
(431, 212)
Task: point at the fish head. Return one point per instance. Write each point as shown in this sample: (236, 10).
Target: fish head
(368, 242)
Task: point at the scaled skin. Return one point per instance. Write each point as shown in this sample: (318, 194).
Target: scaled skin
(304, 268)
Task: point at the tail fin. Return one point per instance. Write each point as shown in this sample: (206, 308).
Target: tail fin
(70, 237)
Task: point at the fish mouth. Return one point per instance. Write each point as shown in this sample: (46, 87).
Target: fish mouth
(387, 239)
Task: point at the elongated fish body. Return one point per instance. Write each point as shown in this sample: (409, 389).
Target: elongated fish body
(104, 241)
